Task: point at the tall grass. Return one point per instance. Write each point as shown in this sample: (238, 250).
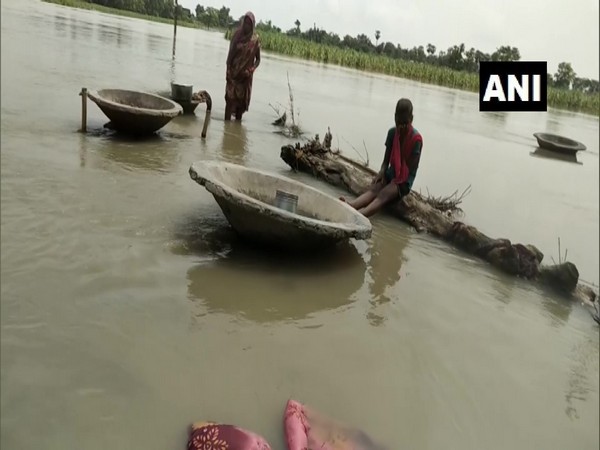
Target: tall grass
(426, 73)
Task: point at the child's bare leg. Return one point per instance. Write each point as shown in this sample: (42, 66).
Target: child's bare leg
(365, 198)
(386, 195)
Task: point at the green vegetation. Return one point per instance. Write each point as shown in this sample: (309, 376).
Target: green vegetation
(455, 68)
(570, 99)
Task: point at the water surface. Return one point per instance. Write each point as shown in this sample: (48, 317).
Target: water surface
(129, 309)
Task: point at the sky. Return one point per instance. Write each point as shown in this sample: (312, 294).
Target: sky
(542, 30)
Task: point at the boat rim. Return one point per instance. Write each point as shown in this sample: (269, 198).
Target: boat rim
(363, 224)
(99, 99)
(575, 144)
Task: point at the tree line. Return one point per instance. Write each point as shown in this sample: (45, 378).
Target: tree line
(457, 57)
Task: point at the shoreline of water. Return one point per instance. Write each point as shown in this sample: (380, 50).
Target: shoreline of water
(553, 93)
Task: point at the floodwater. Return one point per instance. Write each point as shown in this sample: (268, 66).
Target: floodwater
(129, 310)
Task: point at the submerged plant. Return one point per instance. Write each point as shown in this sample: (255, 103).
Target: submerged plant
(290, 128)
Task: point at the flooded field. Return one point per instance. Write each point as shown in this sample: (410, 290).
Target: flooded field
(129, 309)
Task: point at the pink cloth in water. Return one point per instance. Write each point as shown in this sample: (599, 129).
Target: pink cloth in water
(306, 429)
(215, 436)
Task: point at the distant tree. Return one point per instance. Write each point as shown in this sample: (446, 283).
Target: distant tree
(454, 57)
(377, 36)
(389, 49)
(431, 49)
(297, 23)
(223, 16)
(364, 43)
(564, 76)
(506, 53)
(211, 17)
(471, 63)
(267, 26)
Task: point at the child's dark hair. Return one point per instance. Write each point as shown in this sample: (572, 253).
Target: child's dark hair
(404, 107)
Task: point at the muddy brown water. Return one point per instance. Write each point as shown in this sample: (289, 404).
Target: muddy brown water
(129, 309)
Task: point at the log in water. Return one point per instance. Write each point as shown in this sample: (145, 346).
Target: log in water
(427, 214)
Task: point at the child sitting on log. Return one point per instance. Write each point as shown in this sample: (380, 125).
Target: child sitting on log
(399, 168)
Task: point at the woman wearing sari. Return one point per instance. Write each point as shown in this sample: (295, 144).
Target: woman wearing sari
(242, 61)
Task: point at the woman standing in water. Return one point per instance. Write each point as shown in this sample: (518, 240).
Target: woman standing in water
(242, 61)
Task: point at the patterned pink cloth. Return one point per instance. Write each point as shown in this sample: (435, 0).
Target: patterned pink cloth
(214, 436)
(306, 429)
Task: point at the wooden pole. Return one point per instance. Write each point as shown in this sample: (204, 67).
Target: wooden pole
(175, 26)
(84, 97)
(207, 115)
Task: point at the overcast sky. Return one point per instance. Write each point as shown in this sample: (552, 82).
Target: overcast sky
(547, 30)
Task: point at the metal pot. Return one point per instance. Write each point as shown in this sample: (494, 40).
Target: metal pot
(182, 92)
(286, 201)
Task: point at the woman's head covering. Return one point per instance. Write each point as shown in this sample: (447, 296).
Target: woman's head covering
(241, 36)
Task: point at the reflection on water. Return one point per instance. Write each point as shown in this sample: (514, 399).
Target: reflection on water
(153, 43)
(270, 285)
(172, 65)
(276, 286)
(203, 232)
(151, 152)
(79, 30)
(385, 264)
(503, 287)
(584, 357)
(133, 157)
(60, 24)
(548, 154)
(234, 147)
(186, 126)
(110, 35)
(552, 125)
(82, 150)
(115, 262)
(497, 118)
(558, 309)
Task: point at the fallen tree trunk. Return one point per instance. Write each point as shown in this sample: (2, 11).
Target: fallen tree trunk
(437, 217)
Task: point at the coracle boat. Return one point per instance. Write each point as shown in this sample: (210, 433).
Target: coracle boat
(135, 112)
(277, 210)
(559, 144)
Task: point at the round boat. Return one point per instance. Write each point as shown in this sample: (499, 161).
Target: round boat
(248, 197)
(135, 112)
(560, 144)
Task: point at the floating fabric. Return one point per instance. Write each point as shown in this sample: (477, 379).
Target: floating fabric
(215, 436)
(306, 429)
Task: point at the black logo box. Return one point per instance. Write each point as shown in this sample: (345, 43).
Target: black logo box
(518, 68)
